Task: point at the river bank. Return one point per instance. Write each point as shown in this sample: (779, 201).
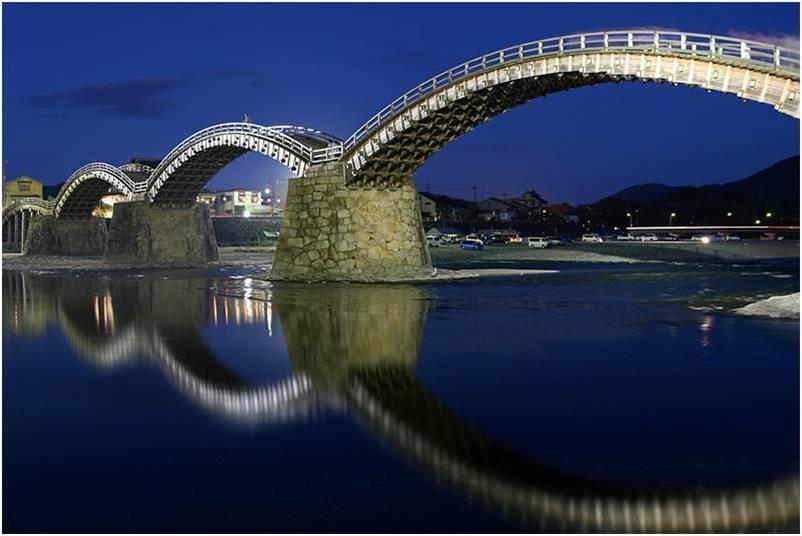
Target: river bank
(452, 257)
(623, 252)
(257, 258)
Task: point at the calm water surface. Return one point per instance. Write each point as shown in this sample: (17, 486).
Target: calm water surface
(217, 402)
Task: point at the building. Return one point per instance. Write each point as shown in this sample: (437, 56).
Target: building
(495, 209)
(532, 200)
(240, 202)
(210, 198)
(439, 231)
(436, 207)
(565, 212)
(428, 207)
(22, 187)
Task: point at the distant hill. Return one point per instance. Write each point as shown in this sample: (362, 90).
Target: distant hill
(772, 190)
(644, 192)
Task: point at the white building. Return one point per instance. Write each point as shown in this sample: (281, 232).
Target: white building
(239, 202)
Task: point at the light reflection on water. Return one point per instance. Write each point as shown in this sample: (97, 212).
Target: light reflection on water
(359, 352)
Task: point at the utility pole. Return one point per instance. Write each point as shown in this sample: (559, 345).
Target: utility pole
(476, 207)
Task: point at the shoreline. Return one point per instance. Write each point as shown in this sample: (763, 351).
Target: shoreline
(449, 261)
(451, 264)
(261, 259)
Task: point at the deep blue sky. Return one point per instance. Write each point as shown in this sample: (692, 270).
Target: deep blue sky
(108, 82)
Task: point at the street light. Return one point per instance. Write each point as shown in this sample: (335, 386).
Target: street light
(768, 214)
(729, 214)
(671, 218)
(629, 215)
(757, 222)
(267, 191)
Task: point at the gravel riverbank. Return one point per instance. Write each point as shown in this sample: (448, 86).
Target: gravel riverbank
(622, 252)
(450, 256)
(258, 257)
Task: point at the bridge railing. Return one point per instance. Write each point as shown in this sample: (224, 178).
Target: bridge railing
(281, 135)
(116, 173)
(37, 201)
(28, 201)
(764, 56)
(136, 168)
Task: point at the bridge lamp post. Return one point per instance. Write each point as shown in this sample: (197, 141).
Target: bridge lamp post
(768, 214)
(671, 218)
(757, 222)
(629, 215)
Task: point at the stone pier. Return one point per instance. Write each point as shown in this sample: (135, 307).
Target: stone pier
(331, 232)
(48, 235)
(145, 234)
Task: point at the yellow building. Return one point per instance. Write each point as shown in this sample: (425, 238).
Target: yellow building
(21, 187)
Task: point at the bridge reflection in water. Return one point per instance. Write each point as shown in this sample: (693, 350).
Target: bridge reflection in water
(354, 349)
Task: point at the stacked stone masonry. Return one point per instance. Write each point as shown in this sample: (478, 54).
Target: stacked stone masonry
(51, 236)
(332, 232)
(143, 234)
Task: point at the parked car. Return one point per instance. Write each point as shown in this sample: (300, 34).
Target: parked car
(555, 241)
(648, 237)
(592, 237)
(731, 238)
(537, 242)
(627, 237)
(434, 241)
(498, 239)
(516, 240)
(453, 238)
(471, 245)
(475, 238)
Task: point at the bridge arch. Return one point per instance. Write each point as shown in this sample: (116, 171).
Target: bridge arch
(391, 145)
(468, 461)
(19, 214)
(193, 162)
(82, 191)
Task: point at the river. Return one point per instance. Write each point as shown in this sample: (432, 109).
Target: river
(588, 399)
